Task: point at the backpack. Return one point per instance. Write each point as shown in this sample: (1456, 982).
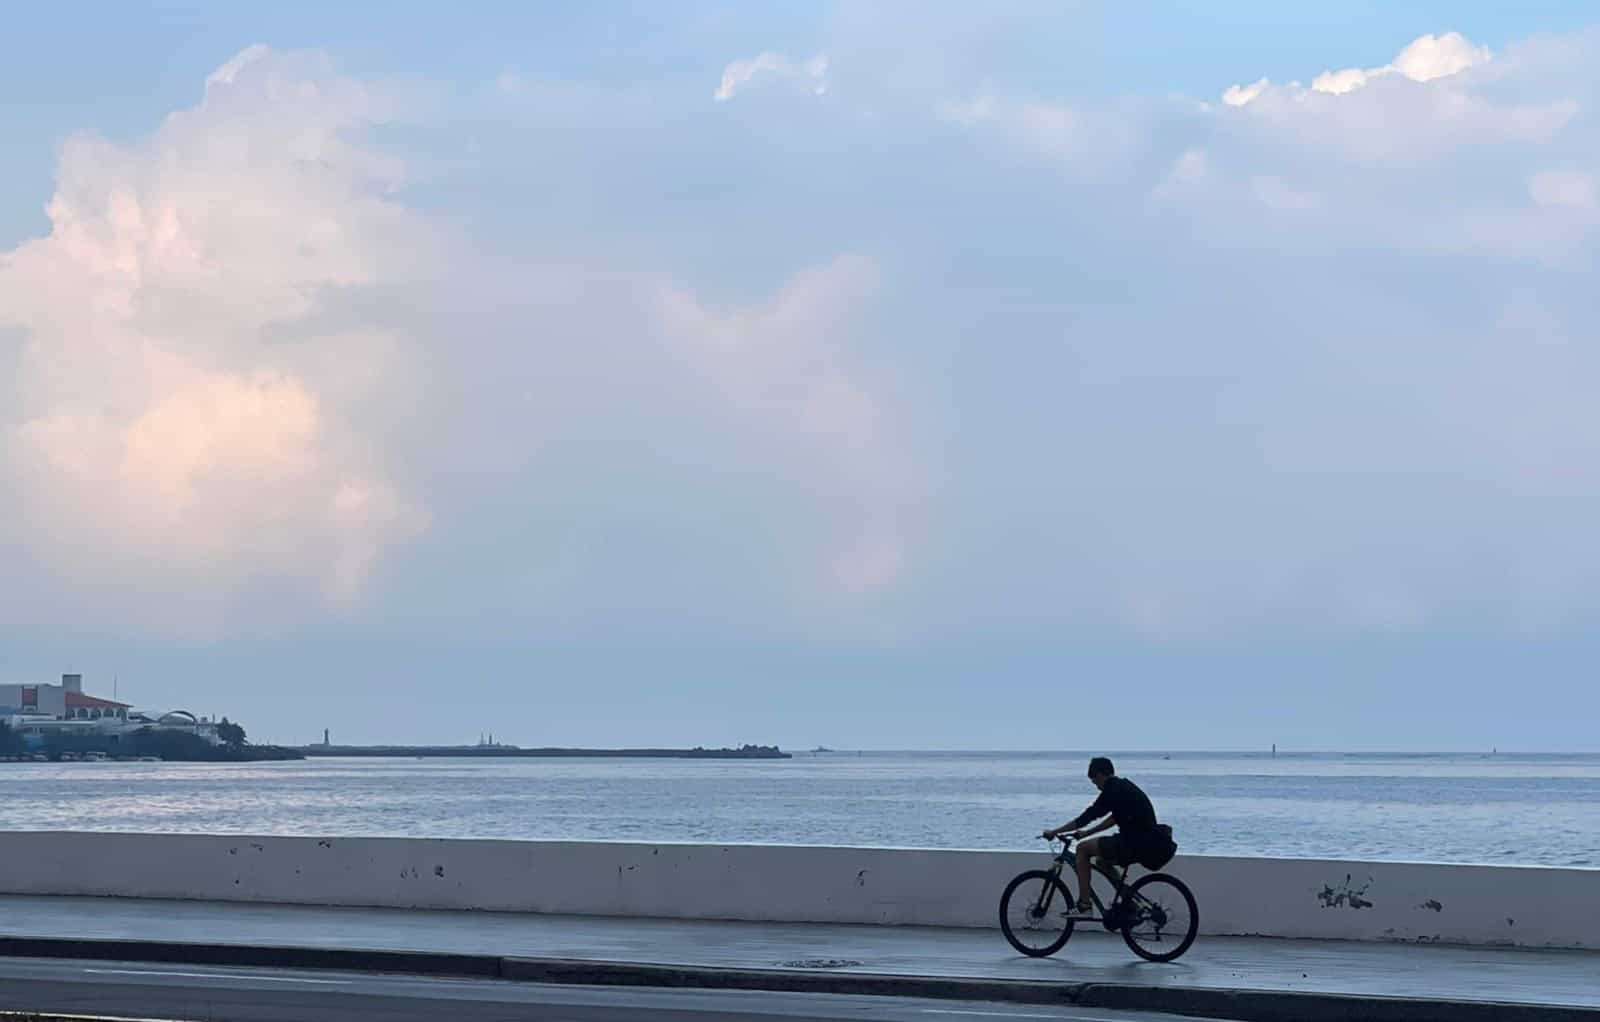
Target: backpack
(1162, 849)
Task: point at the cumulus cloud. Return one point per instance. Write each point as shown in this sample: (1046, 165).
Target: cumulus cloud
(183, 419)
(1276, 364)
(742, 74)
(1425, 59)
(1432, 105)
(785, 366)
(1314, 287)
(1428, 57)
(229, 70)
(1239, 95)
(1384, 163)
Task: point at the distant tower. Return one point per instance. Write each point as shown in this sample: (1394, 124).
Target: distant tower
(325, 740)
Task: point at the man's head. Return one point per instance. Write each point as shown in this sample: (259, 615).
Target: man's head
(1100, 771)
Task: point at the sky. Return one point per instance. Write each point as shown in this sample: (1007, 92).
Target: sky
(875, 375)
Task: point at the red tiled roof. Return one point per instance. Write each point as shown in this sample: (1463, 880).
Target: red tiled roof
(78, 699)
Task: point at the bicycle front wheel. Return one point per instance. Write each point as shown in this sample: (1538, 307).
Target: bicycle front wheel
(1160, 917)
(1035, 913)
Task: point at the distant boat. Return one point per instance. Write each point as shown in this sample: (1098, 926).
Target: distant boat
(822, 748)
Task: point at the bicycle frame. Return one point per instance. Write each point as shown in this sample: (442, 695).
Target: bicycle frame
(1067, 857)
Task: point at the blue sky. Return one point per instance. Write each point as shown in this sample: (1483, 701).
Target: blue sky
(863, 374)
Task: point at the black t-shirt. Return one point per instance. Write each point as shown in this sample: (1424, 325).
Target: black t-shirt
(1128, 806)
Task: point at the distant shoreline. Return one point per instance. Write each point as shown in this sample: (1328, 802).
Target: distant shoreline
(514, 752)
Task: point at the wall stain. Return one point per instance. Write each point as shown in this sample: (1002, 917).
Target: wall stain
(861, 878)
(438, 871)
(1346, 896)
(324, 844)
(1432, 904)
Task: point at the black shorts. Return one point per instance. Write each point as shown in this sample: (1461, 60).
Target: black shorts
(1118, 850)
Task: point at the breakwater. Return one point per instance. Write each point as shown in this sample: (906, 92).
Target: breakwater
(515, 752)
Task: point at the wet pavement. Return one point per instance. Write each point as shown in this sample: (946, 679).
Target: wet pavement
(1405, 970)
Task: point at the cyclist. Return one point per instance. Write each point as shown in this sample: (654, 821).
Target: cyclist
(1139, 837)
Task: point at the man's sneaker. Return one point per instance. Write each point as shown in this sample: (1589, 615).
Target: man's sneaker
(1079, 912)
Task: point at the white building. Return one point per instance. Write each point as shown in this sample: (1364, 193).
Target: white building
(66, 701)
(40, 711)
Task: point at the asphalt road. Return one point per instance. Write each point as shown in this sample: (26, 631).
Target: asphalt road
(142, 991)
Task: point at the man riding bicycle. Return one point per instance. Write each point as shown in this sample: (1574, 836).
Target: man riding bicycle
(1139, 837)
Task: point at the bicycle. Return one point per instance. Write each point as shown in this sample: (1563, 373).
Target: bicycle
(1156, 914)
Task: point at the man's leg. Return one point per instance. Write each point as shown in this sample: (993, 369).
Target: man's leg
(1087, 850)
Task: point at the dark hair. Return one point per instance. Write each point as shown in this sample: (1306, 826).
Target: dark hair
(1101, 766)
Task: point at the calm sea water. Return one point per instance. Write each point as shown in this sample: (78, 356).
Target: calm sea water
(1501, 809)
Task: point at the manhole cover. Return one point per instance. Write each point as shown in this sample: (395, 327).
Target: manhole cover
(821, 963)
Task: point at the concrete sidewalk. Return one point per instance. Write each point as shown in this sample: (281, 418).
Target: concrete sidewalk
(1469, 978)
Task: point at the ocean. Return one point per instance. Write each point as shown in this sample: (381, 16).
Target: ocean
(1477, 808)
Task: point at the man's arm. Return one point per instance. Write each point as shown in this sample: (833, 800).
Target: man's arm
(1097, 828)
(1076, 823)
(1094, 812)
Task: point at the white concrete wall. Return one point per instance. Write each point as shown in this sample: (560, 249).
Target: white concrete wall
(1524, 906)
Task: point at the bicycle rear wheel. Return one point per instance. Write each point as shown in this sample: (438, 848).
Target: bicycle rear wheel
(1034, 913)
(1160, 917)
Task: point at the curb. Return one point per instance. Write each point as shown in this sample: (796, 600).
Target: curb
(56, 1016)
(1308, 1006)
(1243, 1005)
(595, 973)
(1240, 1005)
(266, 956)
